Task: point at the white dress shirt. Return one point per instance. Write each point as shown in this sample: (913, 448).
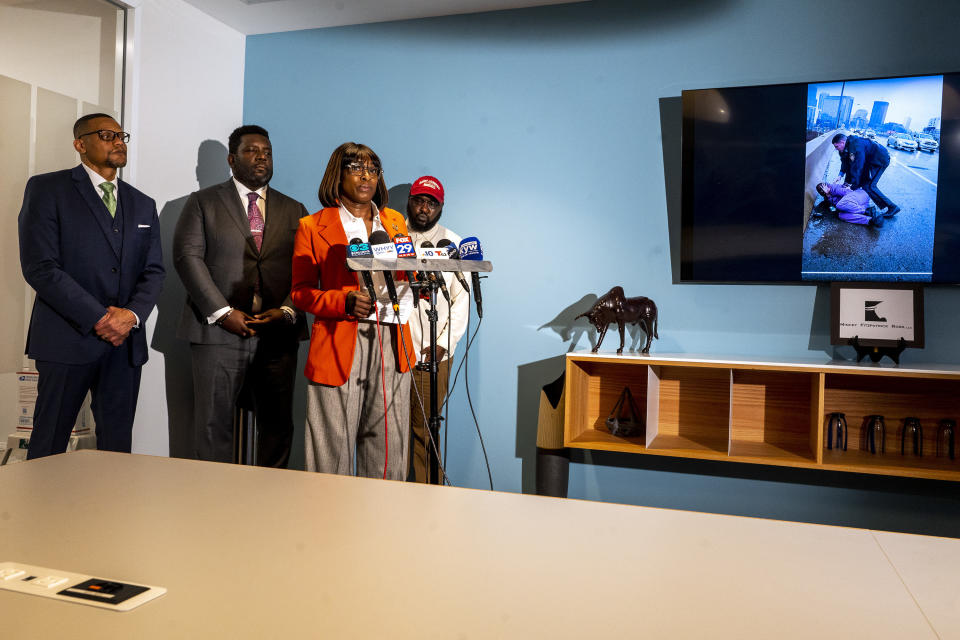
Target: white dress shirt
(355, 227)
(242, 192)
(452, 318)
(96, 180)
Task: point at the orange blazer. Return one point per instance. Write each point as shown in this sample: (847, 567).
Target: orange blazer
(321, 282)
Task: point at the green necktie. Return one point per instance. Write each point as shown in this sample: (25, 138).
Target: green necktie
(108, 198)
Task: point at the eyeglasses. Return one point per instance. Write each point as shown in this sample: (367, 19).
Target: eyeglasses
(424, 201)
(357, 169)
(107, 136)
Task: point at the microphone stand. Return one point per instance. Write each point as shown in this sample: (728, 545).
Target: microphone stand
(432, 367)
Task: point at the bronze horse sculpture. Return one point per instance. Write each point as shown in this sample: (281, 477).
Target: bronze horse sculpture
(614, 306)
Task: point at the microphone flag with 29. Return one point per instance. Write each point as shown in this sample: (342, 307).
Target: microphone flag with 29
(404, 247)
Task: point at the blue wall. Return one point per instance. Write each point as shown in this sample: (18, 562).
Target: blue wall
(555, 131)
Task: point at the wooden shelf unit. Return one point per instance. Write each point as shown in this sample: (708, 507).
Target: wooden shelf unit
(761, 411)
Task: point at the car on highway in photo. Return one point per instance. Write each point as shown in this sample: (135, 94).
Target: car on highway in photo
(902, 141)
(928, 143)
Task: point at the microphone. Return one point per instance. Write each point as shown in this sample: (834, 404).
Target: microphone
(360, 249)
(381, 247)
(451, 248)
(404, 246)
(437, 275)
(470, 250)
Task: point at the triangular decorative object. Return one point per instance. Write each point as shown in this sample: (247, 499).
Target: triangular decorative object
(625, 420)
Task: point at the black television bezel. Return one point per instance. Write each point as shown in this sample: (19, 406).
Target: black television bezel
(686, 182)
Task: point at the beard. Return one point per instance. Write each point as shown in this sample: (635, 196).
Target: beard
(116, 160)
(415, 226)
(249, 178)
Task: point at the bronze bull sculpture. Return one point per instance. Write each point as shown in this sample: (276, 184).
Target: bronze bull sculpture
(613, 306)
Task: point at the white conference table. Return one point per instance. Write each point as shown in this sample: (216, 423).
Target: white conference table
(260, 553)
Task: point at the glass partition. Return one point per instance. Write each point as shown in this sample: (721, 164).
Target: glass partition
(58, 61)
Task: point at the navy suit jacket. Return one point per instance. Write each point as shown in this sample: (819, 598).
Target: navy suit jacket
(78, 264)
(858, 154)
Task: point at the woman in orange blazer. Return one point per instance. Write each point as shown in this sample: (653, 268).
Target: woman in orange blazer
(345, 396)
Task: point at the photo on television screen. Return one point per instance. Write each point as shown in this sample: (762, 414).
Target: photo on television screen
(871, 174)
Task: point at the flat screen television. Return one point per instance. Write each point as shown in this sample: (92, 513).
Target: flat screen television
(771, 194)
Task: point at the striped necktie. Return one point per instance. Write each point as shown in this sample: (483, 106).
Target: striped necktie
(108, 198)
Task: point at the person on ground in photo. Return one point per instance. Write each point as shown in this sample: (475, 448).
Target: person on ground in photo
(852, 205)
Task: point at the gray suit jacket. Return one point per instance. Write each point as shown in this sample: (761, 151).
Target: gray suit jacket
(218, 262)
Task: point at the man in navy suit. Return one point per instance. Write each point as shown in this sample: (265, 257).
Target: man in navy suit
(90, 247)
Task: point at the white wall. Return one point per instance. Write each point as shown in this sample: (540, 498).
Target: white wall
(184, 86)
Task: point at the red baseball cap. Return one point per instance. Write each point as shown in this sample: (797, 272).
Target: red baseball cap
(428, 185)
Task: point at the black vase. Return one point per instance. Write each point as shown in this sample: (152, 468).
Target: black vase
(837, 424)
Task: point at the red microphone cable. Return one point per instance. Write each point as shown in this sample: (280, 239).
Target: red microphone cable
(383, 382)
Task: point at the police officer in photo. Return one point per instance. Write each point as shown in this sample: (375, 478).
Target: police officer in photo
(862, 162)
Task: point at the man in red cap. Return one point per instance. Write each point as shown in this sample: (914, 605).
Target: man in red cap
(424, 207)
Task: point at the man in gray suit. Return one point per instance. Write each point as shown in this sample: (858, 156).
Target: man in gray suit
(233, 248)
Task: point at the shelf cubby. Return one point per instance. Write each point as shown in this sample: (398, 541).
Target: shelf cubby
(774, 414)
(592, 391)
(688, 409)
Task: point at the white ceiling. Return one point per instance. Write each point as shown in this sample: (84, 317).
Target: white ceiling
(268, 16)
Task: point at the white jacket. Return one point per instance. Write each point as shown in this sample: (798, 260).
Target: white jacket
(452, 319)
